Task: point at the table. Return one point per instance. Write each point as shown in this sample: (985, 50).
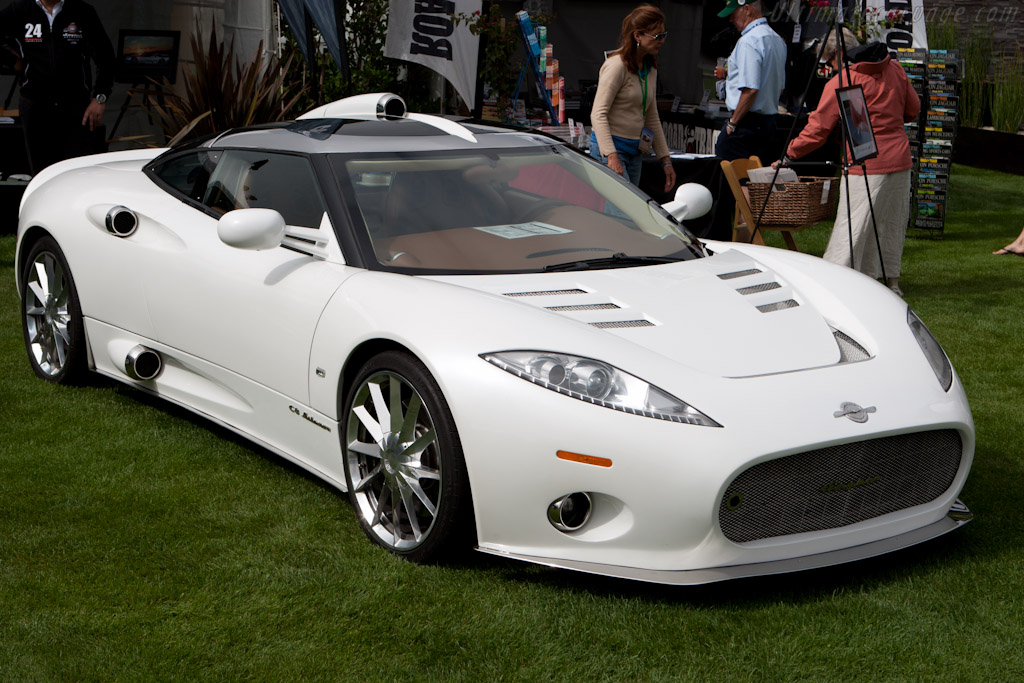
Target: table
(12, 141)
(716, 224)
(10, 200)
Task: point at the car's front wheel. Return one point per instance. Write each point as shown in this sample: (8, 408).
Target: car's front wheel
(404, 466)
(51, 315)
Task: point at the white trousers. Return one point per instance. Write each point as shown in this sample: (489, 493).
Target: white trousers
(890, 197)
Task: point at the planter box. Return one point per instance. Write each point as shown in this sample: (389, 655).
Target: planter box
(989, 149)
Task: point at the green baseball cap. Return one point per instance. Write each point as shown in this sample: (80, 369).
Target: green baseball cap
(731, 6)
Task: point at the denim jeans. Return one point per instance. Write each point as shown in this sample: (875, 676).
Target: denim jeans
(632, 164)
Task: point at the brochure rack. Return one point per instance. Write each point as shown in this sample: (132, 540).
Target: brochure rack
(532, 63)
(931, 137)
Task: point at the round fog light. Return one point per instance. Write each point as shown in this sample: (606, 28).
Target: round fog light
(570, 512)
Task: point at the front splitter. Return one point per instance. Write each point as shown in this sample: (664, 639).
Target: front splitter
(957, 516)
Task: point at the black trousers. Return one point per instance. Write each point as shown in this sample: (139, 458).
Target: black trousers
(54, 131)
(754, 135)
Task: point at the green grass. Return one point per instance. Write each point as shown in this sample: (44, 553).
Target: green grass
(141, 543)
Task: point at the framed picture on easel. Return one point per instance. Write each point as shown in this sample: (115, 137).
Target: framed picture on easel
(146, 54)
(853, 110)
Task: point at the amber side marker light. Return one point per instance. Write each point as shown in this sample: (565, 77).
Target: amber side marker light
(585, 459)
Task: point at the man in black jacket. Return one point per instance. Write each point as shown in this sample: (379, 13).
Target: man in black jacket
(60, 106)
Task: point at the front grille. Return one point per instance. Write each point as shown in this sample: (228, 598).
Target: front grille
(839, 485)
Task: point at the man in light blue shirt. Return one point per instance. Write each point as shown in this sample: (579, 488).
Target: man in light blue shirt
(755, 78)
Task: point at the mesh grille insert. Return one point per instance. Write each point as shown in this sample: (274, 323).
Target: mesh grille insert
(849, 350)
(778, 306)
(550, 292)
(738, 273)
(839, 485)
(766, 287)
(583, 307)
(617, 324)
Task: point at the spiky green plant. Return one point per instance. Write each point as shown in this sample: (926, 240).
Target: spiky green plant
(1008, 96)
(942, 35)
(977, 54)
(222, 92)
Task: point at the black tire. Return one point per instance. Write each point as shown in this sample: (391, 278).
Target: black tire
(414, 458)
(51, 315)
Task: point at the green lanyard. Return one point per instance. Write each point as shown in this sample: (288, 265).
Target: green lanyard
(642, 75)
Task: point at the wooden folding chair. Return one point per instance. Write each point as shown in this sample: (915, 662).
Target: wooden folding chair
(743, 222)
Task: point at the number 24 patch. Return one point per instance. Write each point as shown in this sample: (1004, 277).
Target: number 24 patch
(33, 32)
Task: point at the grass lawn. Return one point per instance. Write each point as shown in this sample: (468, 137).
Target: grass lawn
(139, 543)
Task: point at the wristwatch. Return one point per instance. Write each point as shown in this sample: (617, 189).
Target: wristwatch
(101, 98)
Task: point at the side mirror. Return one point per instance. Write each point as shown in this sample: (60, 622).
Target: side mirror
(692, 200)
(254, 229)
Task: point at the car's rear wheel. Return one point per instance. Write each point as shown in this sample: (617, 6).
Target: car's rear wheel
(404, 466)
(51, 317)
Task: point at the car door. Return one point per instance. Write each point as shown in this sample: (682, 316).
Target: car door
(251, 312)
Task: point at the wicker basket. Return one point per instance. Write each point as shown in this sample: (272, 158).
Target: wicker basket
(802, 203)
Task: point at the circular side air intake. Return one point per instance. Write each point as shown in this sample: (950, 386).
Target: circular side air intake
(122, 221)
(570, 512)
(143, 364)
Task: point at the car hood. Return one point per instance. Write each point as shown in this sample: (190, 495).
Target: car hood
(728, 315)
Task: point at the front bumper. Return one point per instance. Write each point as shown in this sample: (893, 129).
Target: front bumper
(957, 516)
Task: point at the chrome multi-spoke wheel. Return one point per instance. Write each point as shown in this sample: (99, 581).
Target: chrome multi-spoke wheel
(51, 317)
(403, 464)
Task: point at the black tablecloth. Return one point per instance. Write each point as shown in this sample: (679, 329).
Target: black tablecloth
(14, 158)
(716, 224)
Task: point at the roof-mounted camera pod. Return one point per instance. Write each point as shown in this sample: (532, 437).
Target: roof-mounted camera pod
(383, 106)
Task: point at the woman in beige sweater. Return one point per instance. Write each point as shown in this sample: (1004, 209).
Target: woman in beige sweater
(625, 115)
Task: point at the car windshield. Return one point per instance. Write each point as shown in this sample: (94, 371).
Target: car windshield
(536, 209)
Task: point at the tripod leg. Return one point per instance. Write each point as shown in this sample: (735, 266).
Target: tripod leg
(874, 225)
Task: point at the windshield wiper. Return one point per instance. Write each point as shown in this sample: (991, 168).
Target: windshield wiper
(618, 260)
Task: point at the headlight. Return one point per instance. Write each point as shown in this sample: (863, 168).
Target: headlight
(598, 383)
(932, 351)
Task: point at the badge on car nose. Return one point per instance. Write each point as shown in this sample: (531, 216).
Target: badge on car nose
(854, 412)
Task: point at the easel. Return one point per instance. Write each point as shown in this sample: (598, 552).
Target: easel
(152, 90)
(530, 61)
(10, 95)
(837, 26)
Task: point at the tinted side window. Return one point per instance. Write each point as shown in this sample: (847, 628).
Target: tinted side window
(260, 180)
(188, 173)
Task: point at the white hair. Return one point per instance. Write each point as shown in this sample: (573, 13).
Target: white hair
(831, 45)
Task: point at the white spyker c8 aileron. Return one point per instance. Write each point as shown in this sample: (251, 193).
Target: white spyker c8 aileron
(489, 340)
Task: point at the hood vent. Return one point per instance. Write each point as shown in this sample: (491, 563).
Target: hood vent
(761, 288)
(550, 292)
(583, 307)
(738, 273)
(755, 289)
(777, 306)
(621, 324)
(849, 350)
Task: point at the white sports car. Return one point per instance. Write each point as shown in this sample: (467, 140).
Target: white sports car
(486, 338)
